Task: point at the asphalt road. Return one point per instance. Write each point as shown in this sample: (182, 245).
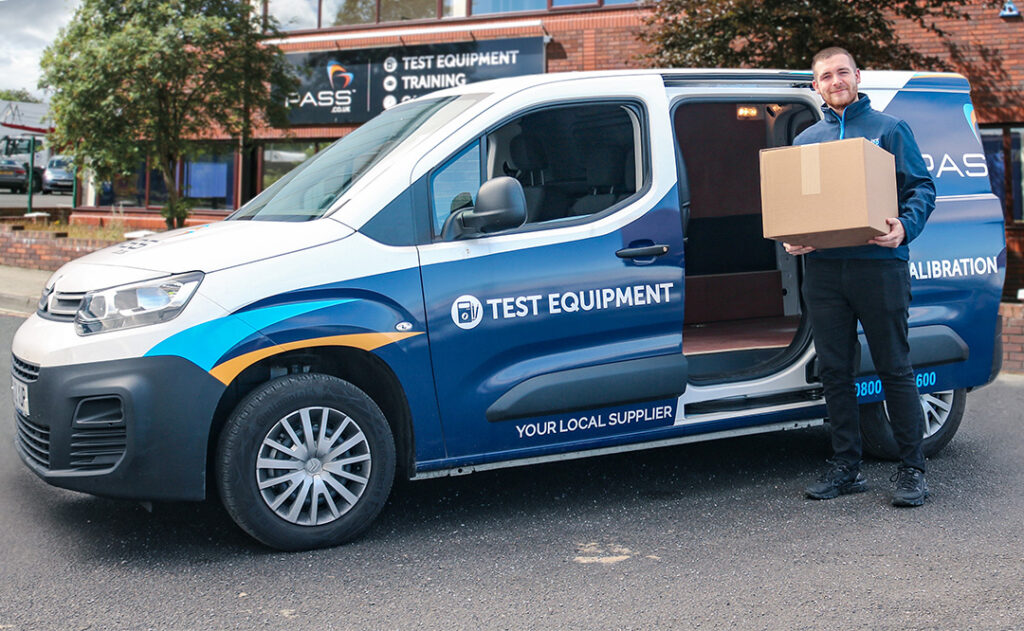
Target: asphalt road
(707, 536)
(52, 200)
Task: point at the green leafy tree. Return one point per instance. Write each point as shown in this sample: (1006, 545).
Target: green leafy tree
(787, 33)
(20, 94)
(138, 79)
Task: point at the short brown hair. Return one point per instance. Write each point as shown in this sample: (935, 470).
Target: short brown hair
(832, 51)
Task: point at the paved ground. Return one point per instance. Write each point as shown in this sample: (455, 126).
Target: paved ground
(20, 289)
(712, 536)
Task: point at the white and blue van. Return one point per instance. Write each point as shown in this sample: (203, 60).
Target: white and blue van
(499, 274)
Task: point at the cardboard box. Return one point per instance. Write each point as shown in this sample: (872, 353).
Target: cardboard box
(827, 195)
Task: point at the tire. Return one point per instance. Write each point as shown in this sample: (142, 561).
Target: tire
(943, 412)
(341, 493)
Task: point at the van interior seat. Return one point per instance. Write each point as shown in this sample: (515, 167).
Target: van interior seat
(529, 158)
(605, 175)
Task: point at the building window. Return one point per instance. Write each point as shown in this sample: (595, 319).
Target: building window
(298, 15)
(124, 191)
(992, 142)
(157, 189)
(209, 179)
(1006, 169)
(348, 12)
(294, 15)
(455, 8)
(482, 7)
(399, 10)
(1016, 165)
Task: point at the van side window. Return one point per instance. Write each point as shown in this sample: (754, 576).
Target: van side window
(455, 184)
(572, 161)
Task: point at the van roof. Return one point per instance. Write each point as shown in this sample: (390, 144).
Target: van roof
(870, 79)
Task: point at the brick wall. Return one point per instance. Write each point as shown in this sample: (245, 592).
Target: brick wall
(989, 42)
(40, 249)
(140, 218)
(1013, 336)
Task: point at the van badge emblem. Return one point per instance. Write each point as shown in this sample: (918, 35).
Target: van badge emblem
(467, 312)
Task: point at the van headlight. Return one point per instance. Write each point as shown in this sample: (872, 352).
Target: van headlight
(137, 304)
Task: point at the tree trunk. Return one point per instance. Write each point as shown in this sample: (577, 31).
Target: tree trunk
(174, 212)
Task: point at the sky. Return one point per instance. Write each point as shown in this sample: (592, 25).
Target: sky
(26, 28)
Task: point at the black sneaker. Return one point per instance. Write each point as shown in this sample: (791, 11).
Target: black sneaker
(911, 487)
(838, 480)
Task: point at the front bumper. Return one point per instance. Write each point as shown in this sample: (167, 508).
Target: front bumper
(60, 185)
(131, 428)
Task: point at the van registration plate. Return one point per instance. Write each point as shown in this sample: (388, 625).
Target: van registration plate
(19, 391)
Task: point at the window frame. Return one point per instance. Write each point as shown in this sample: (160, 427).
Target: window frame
(439, 14)
(434, 173)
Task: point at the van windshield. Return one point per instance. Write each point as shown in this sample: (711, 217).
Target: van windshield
(309, 190)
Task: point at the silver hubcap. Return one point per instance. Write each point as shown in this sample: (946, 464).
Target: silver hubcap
(936, 406)
(313, 466)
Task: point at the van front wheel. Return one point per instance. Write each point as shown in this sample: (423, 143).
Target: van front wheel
(305, 461)
(943, 412)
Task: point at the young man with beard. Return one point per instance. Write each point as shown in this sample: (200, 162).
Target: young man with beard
(869, 283)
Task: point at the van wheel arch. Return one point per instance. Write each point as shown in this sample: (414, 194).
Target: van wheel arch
(364, 370)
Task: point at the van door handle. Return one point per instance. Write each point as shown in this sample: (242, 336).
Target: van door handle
(645, 252)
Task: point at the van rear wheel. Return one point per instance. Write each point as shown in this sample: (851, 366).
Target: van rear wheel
(943, 412)
(305, 461)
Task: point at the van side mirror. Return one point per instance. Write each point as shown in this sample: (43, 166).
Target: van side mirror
(500, 205)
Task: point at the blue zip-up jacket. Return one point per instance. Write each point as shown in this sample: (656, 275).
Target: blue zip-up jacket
(915, 188)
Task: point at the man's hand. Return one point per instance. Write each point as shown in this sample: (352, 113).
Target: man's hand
(895, 236)
(797, 250)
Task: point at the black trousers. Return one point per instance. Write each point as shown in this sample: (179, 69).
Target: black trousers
(838, 293)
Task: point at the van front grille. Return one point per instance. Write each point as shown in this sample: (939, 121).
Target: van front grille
(97, 448)
(62, 305)
(23, 370)
(34, 441)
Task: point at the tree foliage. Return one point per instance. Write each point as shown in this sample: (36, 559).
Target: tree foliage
(787, 33)
(22, 95)
(132, 79)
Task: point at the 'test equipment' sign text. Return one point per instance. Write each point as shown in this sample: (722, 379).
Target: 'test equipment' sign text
(353, 86)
